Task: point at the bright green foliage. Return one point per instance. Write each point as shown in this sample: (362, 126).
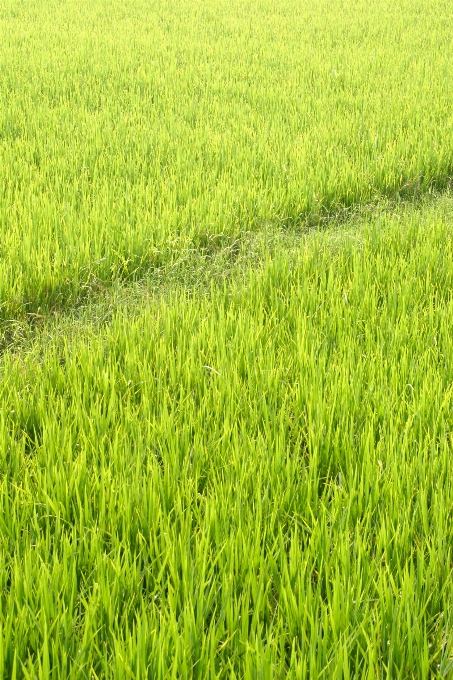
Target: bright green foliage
(132, 128)
(256, 483)
(253, 481)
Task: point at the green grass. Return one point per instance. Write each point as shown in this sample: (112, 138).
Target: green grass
(250, 482)
(130, 130)
(226, 292)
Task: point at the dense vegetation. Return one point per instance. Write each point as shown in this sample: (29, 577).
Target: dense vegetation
(238, 465)
(131, 129)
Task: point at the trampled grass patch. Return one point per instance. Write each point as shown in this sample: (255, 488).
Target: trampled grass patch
(253, 482)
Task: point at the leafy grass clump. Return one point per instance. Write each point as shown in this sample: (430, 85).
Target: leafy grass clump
(251, 483)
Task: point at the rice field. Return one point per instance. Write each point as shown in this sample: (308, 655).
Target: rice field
(130, 130)
(251, 483)
(226, 293)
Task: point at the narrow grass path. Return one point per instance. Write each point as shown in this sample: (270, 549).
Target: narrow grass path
(221, 258)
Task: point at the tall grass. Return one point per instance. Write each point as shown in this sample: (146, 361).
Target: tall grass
(130, 129)
(255, 483)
